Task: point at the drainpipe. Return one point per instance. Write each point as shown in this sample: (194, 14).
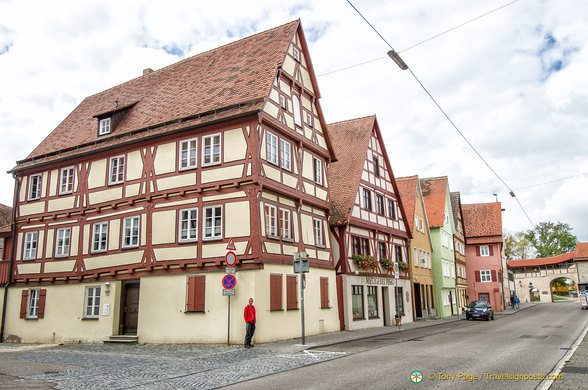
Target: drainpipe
(502, 278)
(12, 254)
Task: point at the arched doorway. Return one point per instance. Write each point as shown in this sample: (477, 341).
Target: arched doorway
(562, 289)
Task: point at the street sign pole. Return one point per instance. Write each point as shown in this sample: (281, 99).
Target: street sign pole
(229, 323)
(302, 299)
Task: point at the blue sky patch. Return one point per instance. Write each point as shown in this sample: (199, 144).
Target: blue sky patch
(4, 48)
(173, 50)
(553, 55)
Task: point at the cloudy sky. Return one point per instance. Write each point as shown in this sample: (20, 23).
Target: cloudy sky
(513, 81)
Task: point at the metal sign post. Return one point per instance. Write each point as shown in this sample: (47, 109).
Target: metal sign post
(229, 282)
(229, 323)
(301, 266)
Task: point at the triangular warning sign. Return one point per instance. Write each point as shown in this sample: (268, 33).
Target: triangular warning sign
(231, 245)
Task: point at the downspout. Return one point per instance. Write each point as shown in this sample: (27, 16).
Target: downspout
(12, 254)
(502, 278)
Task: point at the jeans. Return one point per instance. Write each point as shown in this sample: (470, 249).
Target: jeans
(250, 331)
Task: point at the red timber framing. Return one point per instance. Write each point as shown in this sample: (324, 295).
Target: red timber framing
(142, 194)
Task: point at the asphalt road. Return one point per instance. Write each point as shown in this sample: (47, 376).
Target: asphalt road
(457, 355)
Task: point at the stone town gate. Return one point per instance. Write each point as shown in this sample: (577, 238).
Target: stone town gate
(541, 276)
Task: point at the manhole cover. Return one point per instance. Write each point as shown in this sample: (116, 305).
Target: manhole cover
(528, 336)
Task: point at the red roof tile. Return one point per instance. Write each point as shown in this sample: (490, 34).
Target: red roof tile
(5, 215)
(407, 187)
(236, 76)
(350, 140)
(581, 251)
(434, 194)
(482, 222)
(543, 261)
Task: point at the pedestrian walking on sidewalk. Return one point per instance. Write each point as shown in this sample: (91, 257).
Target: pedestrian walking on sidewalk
(249, 314)
(512, 304)
(517, 301)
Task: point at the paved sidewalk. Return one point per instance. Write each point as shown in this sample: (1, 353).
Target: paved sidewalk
(574, 374)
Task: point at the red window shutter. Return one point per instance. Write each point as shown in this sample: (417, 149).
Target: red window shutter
(190, 304)
(477, 275)
(196, 293)
(23, 303)
(292, 302)
(41, 308)
(199, 291)
(324, 292)
(493, 273)
(275, 292)
(490, 250)
(477, 251)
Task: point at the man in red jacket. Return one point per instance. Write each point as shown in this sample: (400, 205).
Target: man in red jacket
(249, 315)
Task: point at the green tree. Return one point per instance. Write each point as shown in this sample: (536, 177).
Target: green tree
(551, 239)
(517, 246)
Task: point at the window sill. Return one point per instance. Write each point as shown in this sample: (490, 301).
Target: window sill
(195, 311)
(61, 257)
(276, 309)
(126, 248)
(359, 319)
(65, 193)
(98, 252)
(374, 318)
(115, 183)
(211, 164)
(187, 168)
(31, 318)
(272, 237)
(212, 239)
(183, 242)
(292, 309)
(90, 319)
(321, 246)
(326, 307)
(287, 239)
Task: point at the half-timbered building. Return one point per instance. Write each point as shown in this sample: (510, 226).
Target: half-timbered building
(368, 228)
(461, 282)
(125, 211)
(420, 247)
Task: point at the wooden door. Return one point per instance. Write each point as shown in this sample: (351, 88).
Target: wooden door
(130, 308)
(418, 305)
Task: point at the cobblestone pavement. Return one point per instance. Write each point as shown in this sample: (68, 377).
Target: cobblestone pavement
(574, 373)
(162, 366)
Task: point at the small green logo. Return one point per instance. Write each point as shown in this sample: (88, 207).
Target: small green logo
(416, 376)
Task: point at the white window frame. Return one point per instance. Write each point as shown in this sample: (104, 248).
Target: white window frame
(309, 119)
(296, 110)
(92, 302)
(33, 303)
(445, 295)
(380, 208)
(36, 182)
(271, 148)
(319, 238)
(209, 151)
(216, 217)
(99, 237)
(283, 102)
(270, 213)
(286, 223)
(131, 231)
(66, 180)
(484, 250)
(104, 126)
(188, 154)
(30, 246)
(485, 275)
(296, 54)
(188, 226)
(62, 242)
(317, 166)
(285, 155)
(116, 170)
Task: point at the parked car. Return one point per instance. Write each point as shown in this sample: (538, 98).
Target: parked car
(479, 309)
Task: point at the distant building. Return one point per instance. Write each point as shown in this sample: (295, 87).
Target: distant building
(486, 268)
(420, 247)
(442, 226)
(461, 282)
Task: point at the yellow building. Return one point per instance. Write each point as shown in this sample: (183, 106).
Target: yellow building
(420, 247)
(125, 211)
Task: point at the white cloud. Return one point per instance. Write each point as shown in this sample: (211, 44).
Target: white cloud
(489, 75)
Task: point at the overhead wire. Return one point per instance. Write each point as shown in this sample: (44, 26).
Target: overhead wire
(447, 117)
(419, 43)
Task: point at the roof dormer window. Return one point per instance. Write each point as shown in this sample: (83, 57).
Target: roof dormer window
(104, 126)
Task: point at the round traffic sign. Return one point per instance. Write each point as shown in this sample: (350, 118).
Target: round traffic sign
(229, 282)
(230, 259)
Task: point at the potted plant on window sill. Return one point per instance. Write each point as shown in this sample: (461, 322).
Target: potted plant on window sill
(387, 265)
(365, 262)
(402, 266)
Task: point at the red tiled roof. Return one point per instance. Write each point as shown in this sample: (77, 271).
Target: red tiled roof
(5, 215)
(482, 222)
(544, 261)
(434, 194)
(236, 76)
(455, 203)
(407, 187)
(581, 251)
(350, 140)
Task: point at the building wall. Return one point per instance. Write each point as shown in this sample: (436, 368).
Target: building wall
(477, 263)
(542, 277)
(443, 283)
